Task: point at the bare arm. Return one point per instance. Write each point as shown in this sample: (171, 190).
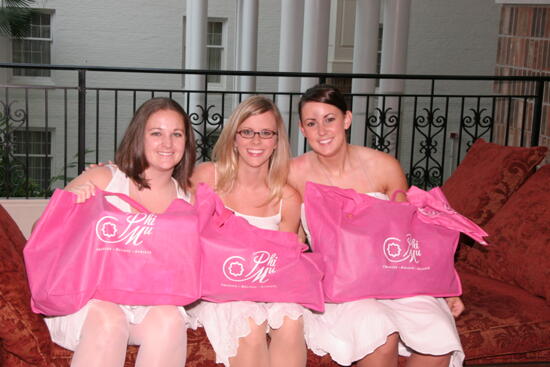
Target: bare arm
(84, 185)
(203, 173)
(290, 216)
(393, 176)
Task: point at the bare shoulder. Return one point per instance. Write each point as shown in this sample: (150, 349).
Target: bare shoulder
(204, 173)
(388, 173)
(377, 160)
(297, 164)
(299, 167)
(99, 176)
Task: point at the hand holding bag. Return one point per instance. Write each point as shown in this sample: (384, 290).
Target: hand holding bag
(377, 248)
(94, 250)
(241, 262)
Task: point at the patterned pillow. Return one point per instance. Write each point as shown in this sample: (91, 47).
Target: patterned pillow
(22, 333)
(488, 176)
(519, 250)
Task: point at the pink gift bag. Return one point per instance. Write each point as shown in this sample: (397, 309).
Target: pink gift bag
(241, 262)
(377, 248)
(94, 250)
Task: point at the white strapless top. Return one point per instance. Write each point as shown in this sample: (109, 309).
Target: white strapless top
(377, 195)
(121, 183)
(272, 222)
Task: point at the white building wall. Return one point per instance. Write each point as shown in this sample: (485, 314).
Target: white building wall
(445, 37)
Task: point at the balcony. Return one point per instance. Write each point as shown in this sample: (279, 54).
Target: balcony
(48, 133)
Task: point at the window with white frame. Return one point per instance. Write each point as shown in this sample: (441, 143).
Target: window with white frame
(214, 47)
(35, 47)
(36, 145)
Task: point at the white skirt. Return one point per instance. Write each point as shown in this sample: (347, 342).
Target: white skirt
(350, 331)
(226, 322)
(65, 330)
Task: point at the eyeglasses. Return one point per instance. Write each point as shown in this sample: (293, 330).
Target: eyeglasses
(263, 134)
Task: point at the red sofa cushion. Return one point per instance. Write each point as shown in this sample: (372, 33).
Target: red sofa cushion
(487, 176)
(502, 322)
(519, 238)
(23, 334)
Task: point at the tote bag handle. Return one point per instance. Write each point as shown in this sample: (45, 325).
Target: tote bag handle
(125, 198)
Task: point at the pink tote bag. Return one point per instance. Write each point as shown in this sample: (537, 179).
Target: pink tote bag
(94, 250)
(241, 262)
(377, 248)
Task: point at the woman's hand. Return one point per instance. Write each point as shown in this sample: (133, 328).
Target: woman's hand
(83, 191)
(455, 305)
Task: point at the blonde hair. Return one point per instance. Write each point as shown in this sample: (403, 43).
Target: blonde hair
(226, 156)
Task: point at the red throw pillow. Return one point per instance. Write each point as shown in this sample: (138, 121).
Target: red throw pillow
(519, 237)
(487, 176)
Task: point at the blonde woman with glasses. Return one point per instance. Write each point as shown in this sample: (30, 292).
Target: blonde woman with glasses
(249, 172)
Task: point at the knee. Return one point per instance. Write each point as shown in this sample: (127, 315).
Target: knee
(290, 333)
(169, 322)
(108, 321)
(389, 348)
(256, 338)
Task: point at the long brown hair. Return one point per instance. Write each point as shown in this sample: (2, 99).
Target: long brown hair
(130, 155)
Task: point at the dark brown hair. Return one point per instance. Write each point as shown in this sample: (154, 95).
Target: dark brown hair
(130, 155)
(323, 93)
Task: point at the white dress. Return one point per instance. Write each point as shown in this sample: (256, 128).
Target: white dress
(226, 322)
(65, 330)
(351, 330)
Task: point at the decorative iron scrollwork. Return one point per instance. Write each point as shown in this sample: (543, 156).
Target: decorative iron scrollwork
(476, 125)
(427, 170)
(383, 125)
(207, 127)
(12, 171)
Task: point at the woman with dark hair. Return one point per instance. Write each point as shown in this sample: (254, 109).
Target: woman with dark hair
(249, 172)
(154, 163)
(370, 332)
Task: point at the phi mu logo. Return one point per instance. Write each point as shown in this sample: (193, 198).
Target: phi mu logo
(397, 251)
(109, 230)
(264, 264)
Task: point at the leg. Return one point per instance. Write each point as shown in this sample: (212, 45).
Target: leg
(288, 346)
(162, 337)
(252, 348)
(426, 360)
(383, 356)
(104, 337)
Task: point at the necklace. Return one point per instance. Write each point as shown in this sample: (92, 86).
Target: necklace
(326, 171)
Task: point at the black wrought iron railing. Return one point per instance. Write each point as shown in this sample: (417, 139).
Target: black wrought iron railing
(50, 131)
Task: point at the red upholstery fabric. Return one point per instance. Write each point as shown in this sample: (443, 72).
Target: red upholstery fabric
(502, 322)
(23, 333)
(519, 251)
(488, 175)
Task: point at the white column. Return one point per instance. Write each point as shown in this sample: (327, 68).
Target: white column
(365, 52)
(394, 43)
(195, 49)
(248, 45)
(315, 44)
(394, 53)
(290, 58)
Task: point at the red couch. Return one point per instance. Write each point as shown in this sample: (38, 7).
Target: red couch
(506, 286)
